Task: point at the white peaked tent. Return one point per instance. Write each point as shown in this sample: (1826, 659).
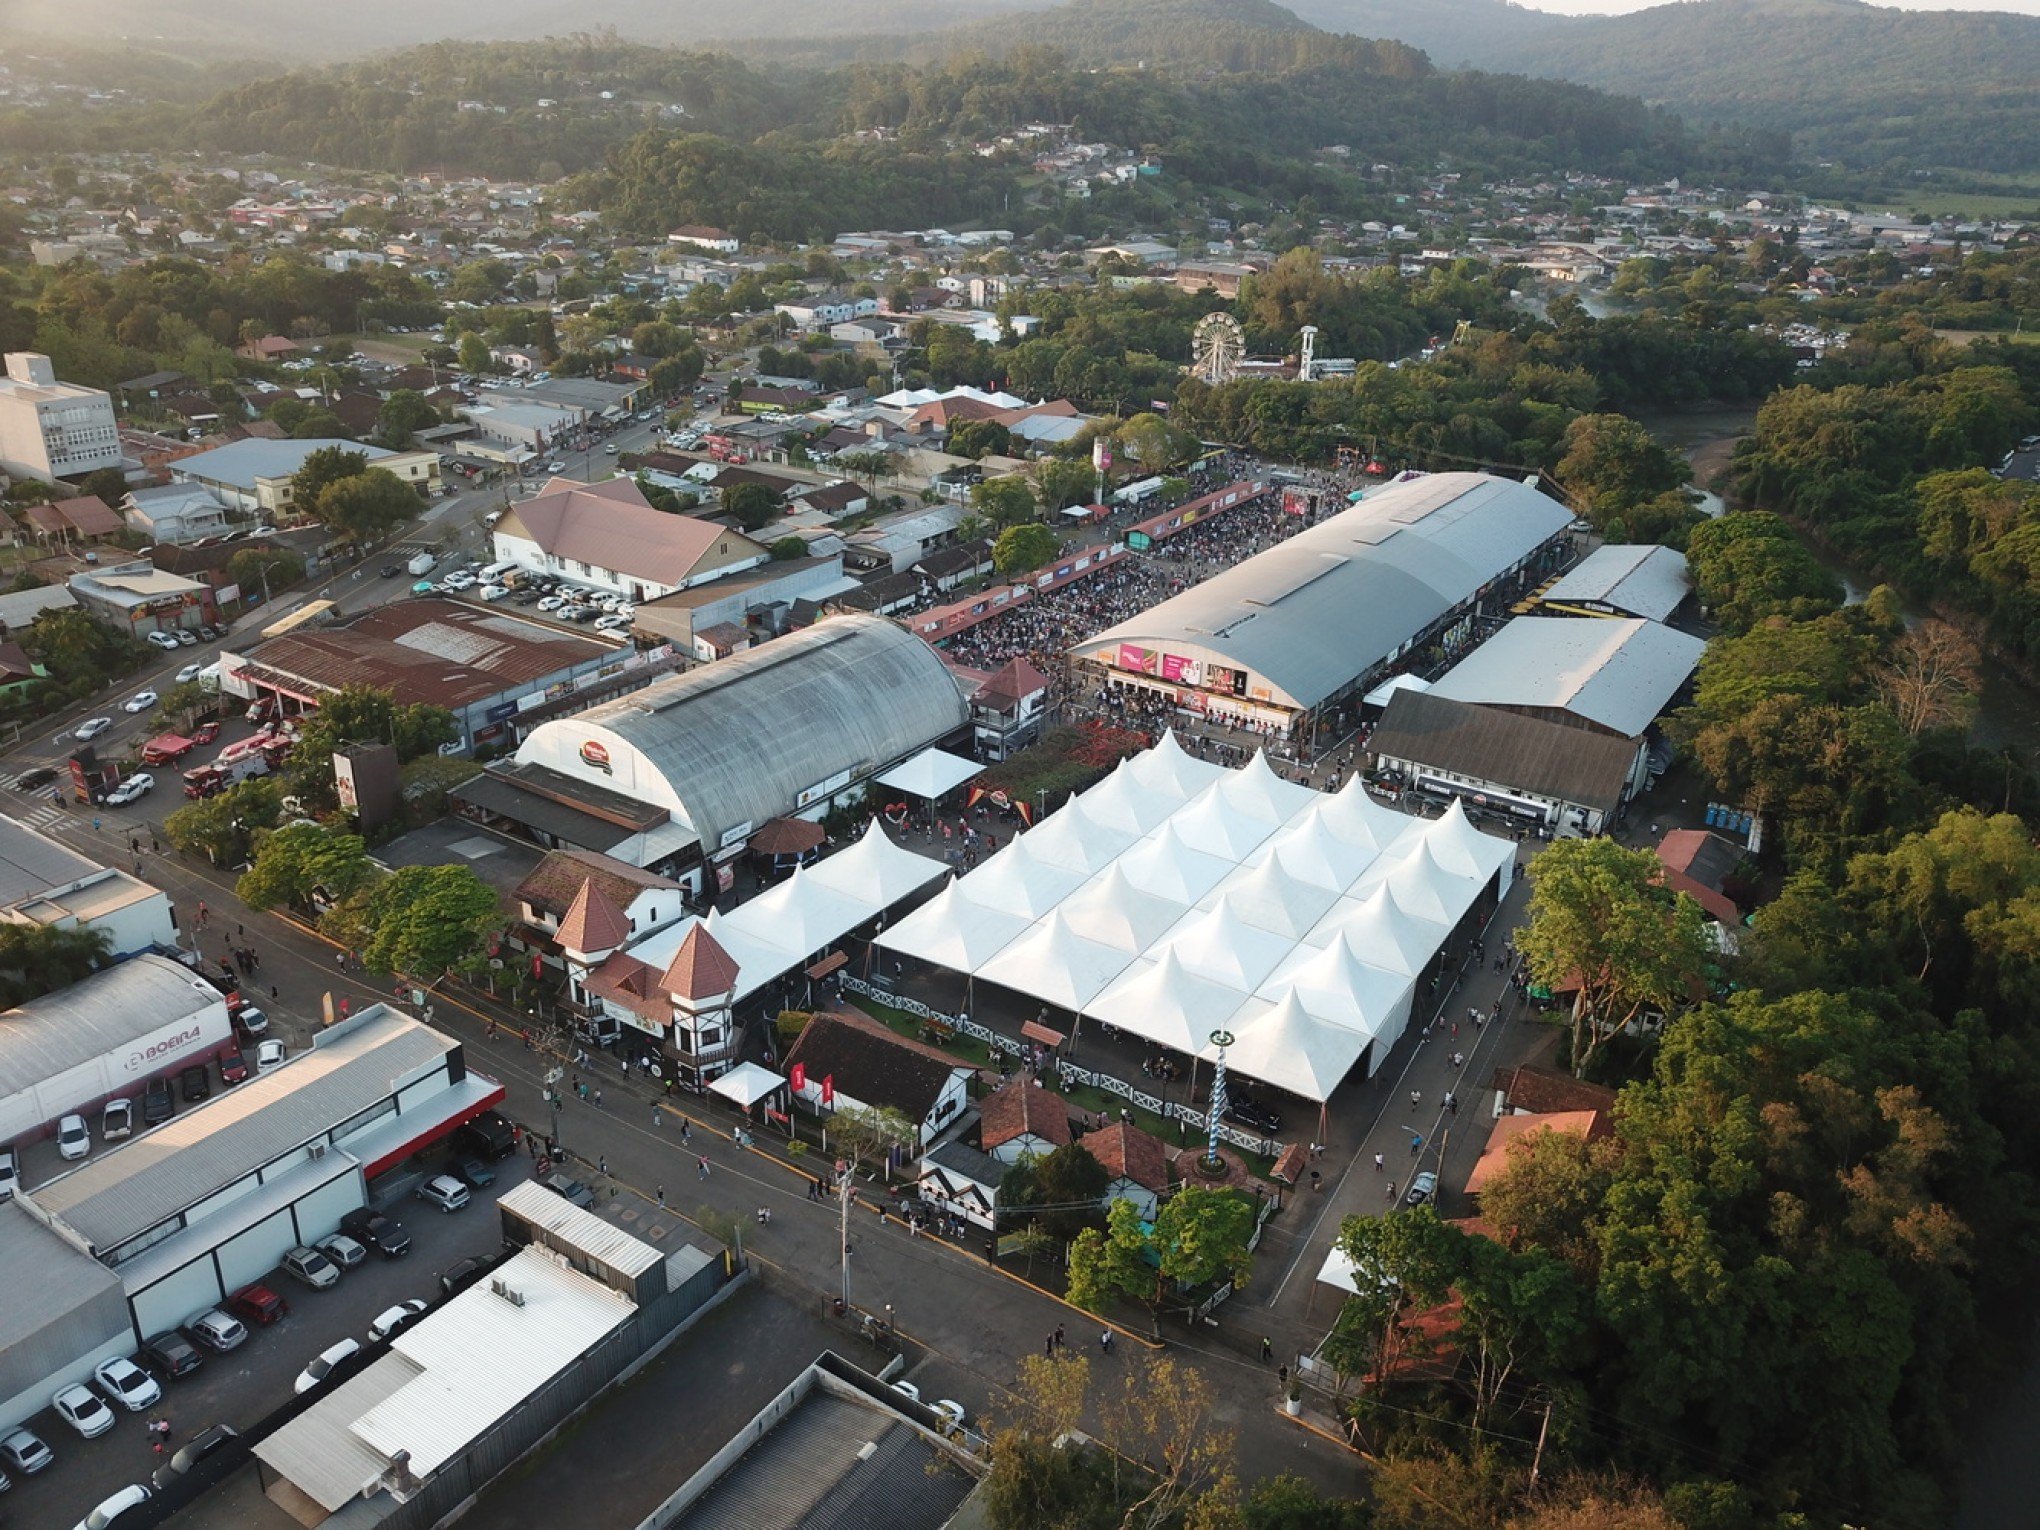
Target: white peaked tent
(1335, 985)
(1213, 825)
(1055, 964)
(1163, 865)
(1121, 801)
(1283, 1044)
(1381, 933)
(1111, 910)
(1256, 791)
(951, 931)
(874, 871)
(1313, 851)
(1160, 1002)
(1420, 884)
(758, 961)
(1074, 839)
(1168, 770)
(1268, 897)
(1219, 945)
(1460, 847)
(930, 773)
(1016, 881)
(1352, 814)
(798, 914)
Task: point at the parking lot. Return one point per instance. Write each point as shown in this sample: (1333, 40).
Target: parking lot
(244, 1385)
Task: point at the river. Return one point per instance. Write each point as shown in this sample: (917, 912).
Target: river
(1999, 1480)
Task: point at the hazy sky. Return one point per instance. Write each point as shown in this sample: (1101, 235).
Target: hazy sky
(1617, 7)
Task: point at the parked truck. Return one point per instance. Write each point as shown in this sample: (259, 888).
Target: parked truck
(211, 780)
(165, 749)
(422, 564)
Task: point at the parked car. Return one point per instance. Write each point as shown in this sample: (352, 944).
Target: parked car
(270, 1054)
(141, 701)
(488, 1135)
(186, 639)
(189, 673)
(74, 1138)
(33, 780)
(207, 632)
(1248, 1111)
(461, 1274)
(91, 728)
(572, 1189)
(24, 1452)
(126, 1383)
(83, 1409)
(470, 1171)
(133, 789)
(311, 1267)
(387, 1238)
(445, 1192)
(206, 1442)
(393, 1320)
(158, 1105)
(196, 1083)
(315, 1374)
(162, 639)
(233, 1066)
(215, 1330)
(205, 733)
(344, 1251)
(250, 1022)
(116, 1118)
(10, 1174)
(258, 1306)
(171, 1356)
(1422, 1189)
(115, 1508)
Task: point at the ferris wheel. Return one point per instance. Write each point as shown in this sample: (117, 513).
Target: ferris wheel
(1217, 346)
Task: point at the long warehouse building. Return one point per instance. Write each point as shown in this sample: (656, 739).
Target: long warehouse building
(1324, 615)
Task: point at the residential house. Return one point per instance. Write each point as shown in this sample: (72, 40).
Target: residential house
(18, 672)
(1136, 1165)
(81, 518)
(956, 1176)
(269, 348)
(950, 567)
(567, 879)
(1494, 1158)
(1007, 712)
(834, 500)
(702, 237)
(844, 1058)
(1022, 1119)
(256, 475)
(1528, 1089)
(1701, 864)
(607, 535)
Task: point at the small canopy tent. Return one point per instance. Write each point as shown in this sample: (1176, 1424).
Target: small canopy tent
(1352, 814)
(1256, 791)
(746, 1084)
(930, 774)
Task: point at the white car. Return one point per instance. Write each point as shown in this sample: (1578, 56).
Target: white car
(141, 701)
(133, 789)
(392, 1319)
(342, 1250)
(315, 1374)
(91, 728)
(116, 1119)
(103, 1517)
(551, 602)
(162, 639)
(189, 673)
(493, 591)
(74, 1138)
(445, 1192)
(611, 623)
(83, 1409)
(610, 448)
(271, 1054)
(10, 1174)
(128, 1384)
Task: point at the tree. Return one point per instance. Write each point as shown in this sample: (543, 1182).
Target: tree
(423, 921)
(1022, 549)
(37, 959)
(1289, 1503)
(327, 465)
(1003, 501)
(656, 338)
(222, 827)
(869, 465)
(1930, 678)
(361, 714)
(1603, 921)
(973, 439)
(368, 505)
(1198, 1236)
(320, 425)
(677, 373)
(1061, 482)
(1062, 1191)
(1611, 466)
(1750, 565)
(288, 412)
(1549, 1194)
(1155, 445)
(108, 484)
(786, 549)
(873, 1132)
(403, 414)
(751, 505)
(474, 354)
(266, 568)
(299, 864)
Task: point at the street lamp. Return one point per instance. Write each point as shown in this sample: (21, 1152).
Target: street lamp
(1220, 1039)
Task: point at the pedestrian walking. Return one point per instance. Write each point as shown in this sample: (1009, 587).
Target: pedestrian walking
(598, 1099)
(602, 1164)
(1416, 1098)
(1458, 1059)
(686, 1131)
(662, 1197)
(1416, 1144)
(1267, 1349)
(1378, 1163)
(155, 845)
(1105, 1342)
(1058, 1336)
(1391, 1192)
(701, 1167)
(1048, 1346)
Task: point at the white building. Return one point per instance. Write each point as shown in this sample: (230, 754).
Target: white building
(607, 534)
(174, 512)
(50, 429)
(45, 883)
(256, 475)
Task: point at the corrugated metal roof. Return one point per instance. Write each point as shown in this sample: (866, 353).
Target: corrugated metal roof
(601, 1241)
(1618, 673)
(1641, 579)
(139, 1184)
(240, 463)
(481, 1355)
(318, 1452)
(63, 1280)
(97, 1015)
(1310, 615)
(32, 863)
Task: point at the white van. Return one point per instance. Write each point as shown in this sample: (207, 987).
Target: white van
(494, 573)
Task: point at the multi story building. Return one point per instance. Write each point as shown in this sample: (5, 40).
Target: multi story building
(50, 429)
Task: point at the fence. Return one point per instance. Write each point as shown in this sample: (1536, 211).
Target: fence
(1169, 1110)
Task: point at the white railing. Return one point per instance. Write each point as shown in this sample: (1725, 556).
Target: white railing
(1071, 1073)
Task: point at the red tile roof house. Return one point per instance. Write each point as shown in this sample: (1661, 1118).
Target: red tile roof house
(1136, 1164)
(1021, 1117)
(861, 1063)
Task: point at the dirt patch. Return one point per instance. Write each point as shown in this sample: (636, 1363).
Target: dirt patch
(1710, 460)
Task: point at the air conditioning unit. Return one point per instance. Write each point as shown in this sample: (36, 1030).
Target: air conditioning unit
(316, 1151)
(508, 1292)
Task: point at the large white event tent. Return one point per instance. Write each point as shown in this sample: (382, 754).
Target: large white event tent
(817, 906)
(1177, 897)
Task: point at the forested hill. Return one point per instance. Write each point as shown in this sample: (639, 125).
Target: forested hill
(1865, 84)
(1253, 35)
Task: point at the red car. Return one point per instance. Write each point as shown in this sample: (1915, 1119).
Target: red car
(205, 733)
(233, 1066)
(258, 1305)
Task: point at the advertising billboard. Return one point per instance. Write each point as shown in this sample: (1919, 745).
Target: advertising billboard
(1140, 661)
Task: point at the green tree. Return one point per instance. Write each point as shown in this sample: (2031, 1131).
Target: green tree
(320, 425)
(1061, 482)
(1198, 1236)
(424, 921)
(786, 549)
(1603, 922)
(326, 466)
(474, 355)
(872, 1133)
(1022, 549)
(1063, 1191)
(403, 414)
(751, 505)
(1613, 469)
(1003, 501)
(37, 959)
(271, 568)
(1549, 1194)
(109, 485)
(677, 373)
(973, 439)
(360, 714)
(222, 828)
(1750, 565)
(299, 864)
(367, 506)
(288, 412)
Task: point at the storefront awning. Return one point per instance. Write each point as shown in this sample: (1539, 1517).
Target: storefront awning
(746, 1084)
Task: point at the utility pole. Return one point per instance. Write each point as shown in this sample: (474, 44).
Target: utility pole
(1542, 1430)
(845, 1193)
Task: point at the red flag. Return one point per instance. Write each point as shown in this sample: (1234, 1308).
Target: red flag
(798, 1078)
(829, 1089)
(537, 965)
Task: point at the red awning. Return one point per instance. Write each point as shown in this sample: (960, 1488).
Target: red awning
(1034, 1031)
(827, 964)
